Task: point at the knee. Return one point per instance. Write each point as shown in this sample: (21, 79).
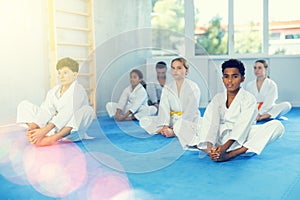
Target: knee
(144, 122)
(23, 104)
(85, 113)
(153, 110)
(87, 110)
(109, 105)
(179, 124)
(288, 105)
(280, 130)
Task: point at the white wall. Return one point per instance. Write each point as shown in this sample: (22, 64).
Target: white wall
(122, 41)
(285, 71)
(24, 70)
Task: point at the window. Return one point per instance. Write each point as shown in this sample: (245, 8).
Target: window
(230, 27)
(248, 26)
(292, 36)
(211, 22)
(167, 21)
(286, 21)
(275, 36)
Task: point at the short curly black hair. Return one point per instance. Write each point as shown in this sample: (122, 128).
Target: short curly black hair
(234, 63)
(68, 62)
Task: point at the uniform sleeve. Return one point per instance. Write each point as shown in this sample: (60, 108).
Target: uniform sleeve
(47, 109)
(152, 94)
(270, 96)
(248, 87)
(252, 88)
(63, 115)
(70, 103)
(124, 98)
(137, 99)
(209, 130)
(164, 107)
(247, 116)
(191, 102)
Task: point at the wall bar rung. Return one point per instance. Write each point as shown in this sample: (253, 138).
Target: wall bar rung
(73, 28)
(72, 12)
(73, 44)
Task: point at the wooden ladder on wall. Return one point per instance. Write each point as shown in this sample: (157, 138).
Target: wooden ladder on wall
(71, 34)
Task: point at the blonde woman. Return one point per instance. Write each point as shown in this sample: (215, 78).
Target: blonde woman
(179, 100)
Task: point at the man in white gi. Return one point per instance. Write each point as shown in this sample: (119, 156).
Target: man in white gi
(154, 89)
(227, 129)
(65, 114)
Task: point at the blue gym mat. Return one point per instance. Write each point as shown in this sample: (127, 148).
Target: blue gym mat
(123, 162)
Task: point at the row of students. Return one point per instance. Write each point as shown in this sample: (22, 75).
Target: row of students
(228, 115)
(263, 88)
(228, 126)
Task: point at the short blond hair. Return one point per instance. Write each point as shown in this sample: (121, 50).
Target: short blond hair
(68, 62)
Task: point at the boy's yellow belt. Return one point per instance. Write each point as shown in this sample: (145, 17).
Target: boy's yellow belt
(175, 113)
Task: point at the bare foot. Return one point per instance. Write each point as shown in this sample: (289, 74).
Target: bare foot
(218, 154)
(46, 141)
(208, 149)
(32, 126)
(168, 132)
(130, 118)
(213, 153)
(221, 155)
(29, 137)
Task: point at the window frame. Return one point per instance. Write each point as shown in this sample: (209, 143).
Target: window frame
(231, 52)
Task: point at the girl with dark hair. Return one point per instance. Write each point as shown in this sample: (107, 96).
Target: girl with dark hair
(133, 101)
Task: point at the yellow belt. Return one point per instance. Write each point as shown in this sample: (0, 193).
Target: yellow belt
(175, 113)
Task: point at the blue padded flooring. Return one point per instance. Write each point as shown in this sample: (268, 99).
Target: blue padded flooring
(123, 162)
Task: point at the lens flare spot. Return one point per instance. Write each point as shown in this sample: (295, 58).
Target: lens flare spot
(108, 185)
(57, 170)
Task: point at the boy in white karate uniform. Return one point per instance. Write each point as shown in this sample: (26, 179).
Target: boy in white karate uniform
(227, 129)
(266, 93)
(65, 114)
